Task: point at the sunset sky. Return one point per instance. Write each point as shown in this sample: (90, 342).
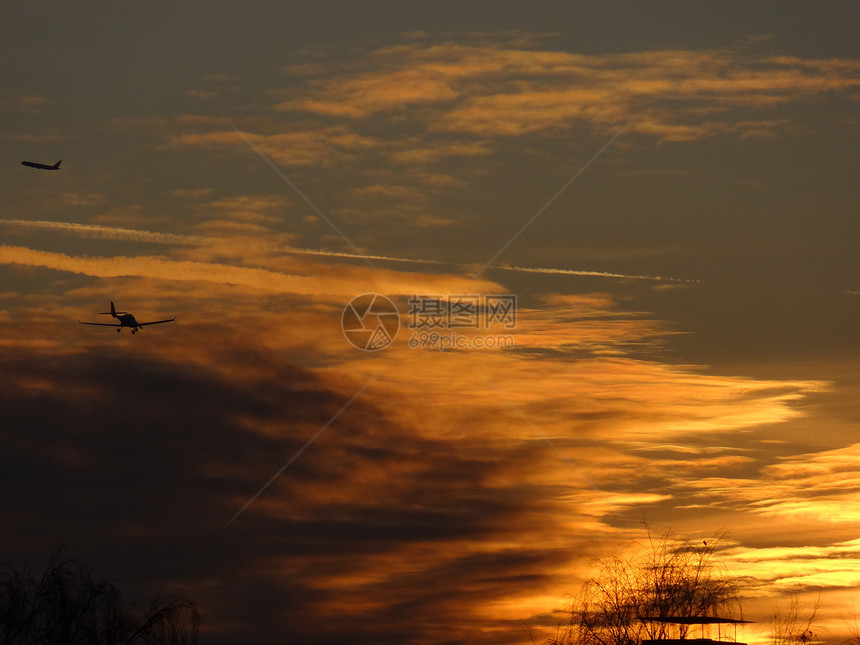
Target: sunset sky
(668, 190)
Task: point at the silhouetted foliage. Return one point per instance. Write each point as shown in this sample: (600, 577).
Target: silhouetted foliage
(66, 606)
(666, 578)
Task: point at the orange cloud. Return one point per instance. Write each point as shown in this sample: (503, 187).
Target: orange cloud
(416, 151)
(25, 103)
(325, 146)
(245, 208)
(491, 90)
(374, 92)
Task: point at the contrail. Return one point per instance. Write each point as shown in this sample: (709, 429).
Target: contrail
(345, 254)
(597, 274)
(106, 232)
(139, 235)
(552, 199)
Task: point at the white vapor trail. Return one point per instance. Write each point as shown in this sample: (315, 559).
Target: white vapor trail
(105, 232)
(597, 274)
(137, 235)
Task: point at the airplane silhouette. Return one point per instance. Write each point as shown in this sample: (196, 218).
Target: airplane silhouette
(42, 166)
(125, 320)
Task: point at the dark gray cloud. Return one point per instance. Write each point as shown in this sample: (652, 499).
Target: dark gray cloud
(138, 463)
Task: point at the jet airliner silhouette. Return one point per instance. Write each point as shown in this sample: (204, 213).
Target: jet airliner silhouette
(42, 166)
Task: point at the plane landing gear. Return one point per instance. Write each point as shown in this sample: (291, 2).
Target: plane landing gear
(119, 330)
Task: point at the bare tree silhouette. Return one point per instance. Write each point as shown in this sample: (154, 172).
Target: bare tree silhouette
(789, 626)
(853, 625)
(666, 578)
(65, 605)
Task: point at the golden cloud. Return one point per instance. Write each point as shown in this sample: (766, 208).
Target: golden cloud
(822, 487)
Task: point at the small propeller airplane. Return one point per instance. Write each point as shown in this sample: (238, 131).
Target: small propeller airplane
(125, 320)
